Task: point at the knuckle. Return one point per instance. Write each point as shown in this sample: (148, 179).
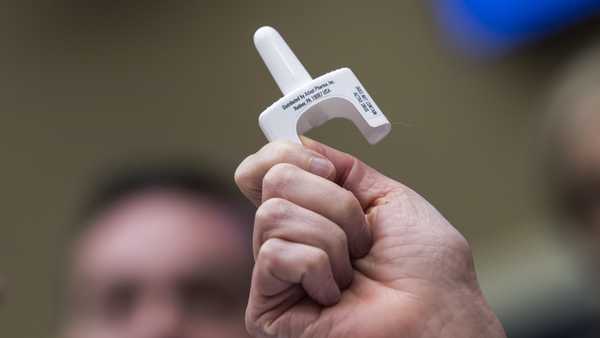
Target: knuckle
(280, 150)
(242, 172)
(339, 239)
(269, 254)
(271, 211)
(348, 201)
(317, 260)
(278, 176)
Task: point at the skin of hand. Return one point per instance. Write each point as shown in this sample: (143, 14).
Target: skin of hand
(344, 251)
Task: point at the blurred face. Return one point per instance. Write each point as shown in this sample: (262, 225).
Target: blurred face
(583, 157)
(160, 265)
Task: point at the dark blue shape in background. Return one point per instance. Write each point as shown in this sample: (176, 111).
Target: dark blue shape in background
(484, 26)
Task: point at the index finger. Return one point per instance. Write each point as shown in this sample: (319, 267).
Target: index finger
(250, 173)
(366, 183)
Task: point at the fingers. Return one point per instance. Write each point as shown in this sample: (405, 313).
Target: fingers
(250, 172)
(311, 218)
(366, 183)
(281, 219)
(363, 181)
(281, 264)
(323, 197)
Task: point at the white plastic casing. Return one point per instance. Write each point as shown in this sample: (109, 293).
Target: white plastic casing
(309, 103)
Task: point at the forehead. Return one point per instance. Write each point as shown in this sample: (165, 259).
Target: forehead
(160, 232)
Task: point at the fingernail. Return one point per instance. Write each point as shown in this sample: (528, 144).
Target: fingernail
(322, 167)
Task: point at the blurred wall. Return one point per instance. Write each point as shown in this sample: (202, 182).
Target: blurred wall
(86, 85)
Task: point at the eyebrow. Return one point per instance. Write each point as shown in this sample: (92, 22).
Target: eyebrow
(238, 274)
(235, 276)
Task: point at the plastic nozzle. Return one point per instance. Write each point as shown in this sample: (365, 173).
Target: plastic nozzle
(286, 69)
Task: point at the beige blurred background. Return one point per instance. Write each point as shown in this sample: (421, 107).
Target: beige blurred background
(89, 85)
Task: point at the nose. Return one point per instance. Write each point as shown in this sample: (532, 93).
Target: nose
(159, 320)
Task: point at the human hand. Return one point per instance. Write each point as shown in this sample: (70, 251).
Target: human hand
(344, 251)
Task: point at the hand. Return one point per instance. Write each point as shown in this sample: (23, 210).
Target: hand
(343, 251)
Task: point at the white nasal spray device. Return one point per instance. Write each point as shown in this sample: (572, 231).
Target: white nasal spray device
(308, 103)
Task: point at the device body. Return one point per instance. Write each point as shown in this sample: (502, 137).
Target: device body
(337, 94)
(308, 103)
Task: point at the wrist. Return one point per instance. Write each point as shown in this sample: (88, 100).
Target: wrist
(468, 315)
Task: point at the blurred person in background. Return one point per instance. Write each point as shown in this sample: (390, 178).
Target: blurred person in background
(573, 166)
(574, 145)
(159, 254)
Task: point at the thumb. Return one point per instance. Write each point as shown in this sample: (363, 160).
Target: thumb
(366, 183)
